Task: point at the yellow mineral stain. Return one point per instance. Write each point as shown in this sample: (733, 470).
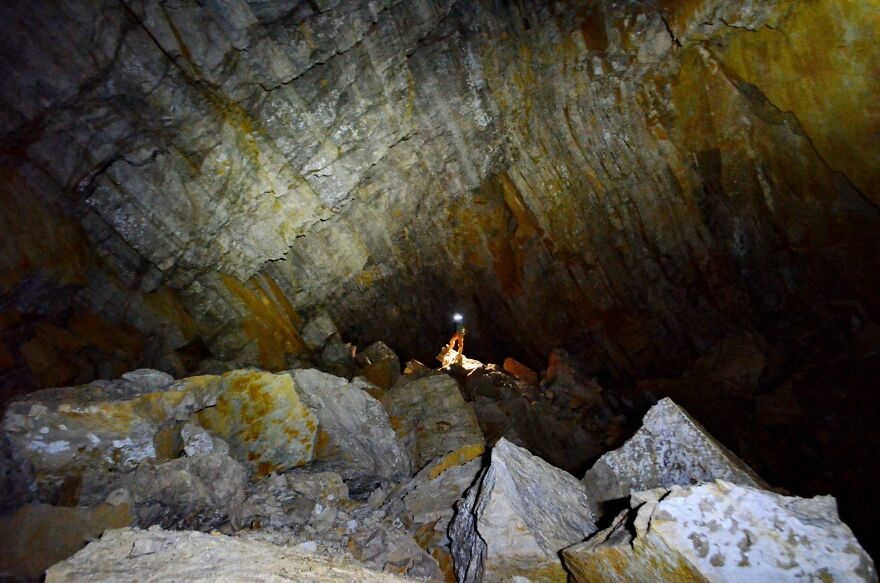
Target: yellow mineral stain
(458, 457)
(822, 63)
(272, 321)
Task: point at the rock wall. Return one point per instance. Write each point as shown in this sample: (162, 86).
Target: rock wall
(635, 180)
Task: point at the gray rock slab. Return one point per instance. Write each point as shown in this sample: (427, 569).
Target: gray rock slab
(516, 518)
(720, 531)
(670, 449)
(129, 554)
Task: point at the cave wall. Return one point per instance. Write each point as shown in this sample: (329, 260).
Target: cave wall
(183, 181)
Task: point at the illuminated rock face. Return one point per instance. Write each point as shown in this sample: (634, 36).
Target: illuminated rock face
(670, 449)
(132, 554)
(719, 531)
(262, 417)
(180, 183)
(184, 186)
(57, 436)
(516, 518)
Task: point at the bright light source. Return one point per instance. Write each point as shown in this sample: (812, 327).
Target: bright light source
(457, 317)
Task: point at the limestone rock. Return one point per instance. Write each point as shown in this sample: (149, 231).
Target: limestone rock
(126, 555)
(520, 371)
(337, 358)
(197, 441)
(426, 504)
(354, 435)
(318, 331)
(721, 531)
(431, 418)
(198, 492)
(37, 536)
(670, 449)
(516, 518)
(312, 510)
(289, 500)
(263, 419)
(59, 434)
(381, 365)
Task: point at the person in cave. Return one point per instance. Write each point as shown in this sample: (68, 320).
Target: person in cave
(457, 342)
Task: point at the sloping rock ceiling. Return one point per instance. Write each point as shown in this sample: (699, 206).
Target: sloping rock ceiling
(632, 181)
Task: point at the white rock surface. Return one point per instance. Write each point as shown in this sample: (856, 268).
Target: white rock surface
(670, 449)
(355, 438)
(150, 556)
(723, 532)
(198, 441)
(516, 518)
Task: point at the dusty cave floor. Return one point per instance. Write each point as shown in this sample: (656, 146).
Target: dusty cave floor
(468, 472)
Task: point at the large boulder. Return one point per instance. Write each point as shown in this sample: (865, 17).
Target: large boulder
(264, 420)
(380, 364)
(516, 518)
(721, 531)
(432, 419)
(313, 510)
(129, 554)
(354, 437)
(426, 503)
(54, 436)
(670, 449)
(200, 492)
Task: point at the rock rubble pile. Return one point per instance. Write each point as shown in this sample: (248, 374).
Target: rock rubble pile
(307, 476)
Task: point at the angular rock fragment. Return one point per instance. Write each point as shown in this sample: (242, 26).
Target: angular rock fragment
(431, 418)
(318, 331)
(290, 500)
(130, 554)
(381, 365)
(312, 510)
(670, 449)
(263, 419)
(197, 441)
(354, 436)
(57, 435)
(721, 531)
(516, 518)
(520, 371)
(338, 358)
(198, 492)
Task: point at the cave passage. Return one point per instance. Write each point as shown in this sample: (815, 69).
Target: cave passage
(642, 213)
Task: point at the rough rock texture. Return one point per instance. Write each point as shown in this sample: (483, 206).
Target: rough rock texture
(381, 365)
(198, 493)
(426, 504)
(57, 435)
(432, 419)
(155, 555)
(313, 511)
(670, 449)
(516, 518)
(630, 181)
(198, 441)
(567, 420)
(37, 536)
(723, 532)
(264, 420)
(354, 436)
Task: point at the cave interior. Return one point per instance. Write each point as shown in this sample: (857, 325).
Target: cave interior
(637, 199)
